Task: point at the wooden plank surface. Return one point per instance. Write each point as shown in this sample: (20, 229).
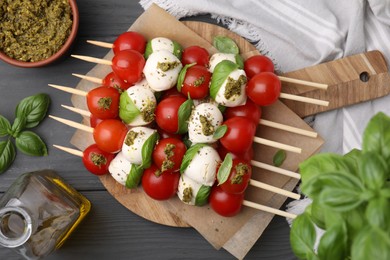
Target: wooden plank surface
(110, 230)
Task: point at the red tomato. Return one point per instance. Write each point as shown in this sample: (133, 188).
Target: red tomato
(130, 41)
(160, 185)
(249, 110)
(168, 154)
(103, 102)
(167, 113)
(247, 155)
(225, 204)
(264, 88)
(196, 82)
(171, 92)
(94, 121)
(239, 135)
(112, 80)
(97, 161)
(256, 64)
(164, 134)
(195, 54)
(128, 65)
(109, 135)
(239, 177)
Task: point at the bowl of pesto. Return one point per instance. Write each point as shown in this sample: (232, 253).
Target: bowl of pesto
(35, 33)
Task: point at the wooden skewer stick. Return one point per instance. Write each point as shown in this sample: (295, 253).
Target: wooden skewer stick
(101, 44)
(273, 189)
(92, 59)
(78, 110)
(277, 145)
(70, 90)
(275, 169)
(304, 82)
(69, 150)
(269, 209)
(288, 128)
(73, 124)
(89, 78)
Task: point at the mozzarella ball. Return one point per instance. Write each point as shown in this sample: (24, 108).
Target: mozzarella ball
(188, 189)
(133, 143)
(232, 92)
(218, 57)
(145, 101)
(120, 168)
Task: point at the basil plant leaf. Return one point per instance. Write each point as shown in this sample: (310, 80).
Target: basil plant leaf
(373, 170)
(279, 158)
(334, 242)
(7, 155)
(378, 213)
(220, 74)
(220, 132)
(189, 155)
(303, 237)
(177, 49)
(127, 109)
(182, 75)
(202, 196)
(147, 150)
(225, 45)
(18, 125)
(239, 61)
(224, 169)
(31, 144)
(371, 243)
(5, 126)
(183, 116)
(33, 108)
(134, 177)
(317, 214)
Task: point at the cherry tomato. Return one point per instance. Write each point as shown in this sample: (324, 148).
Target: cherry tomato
(94, 121)
(103, 102)
(225, 204)
(195, 54)
(160, 185)
(264, 88)
(256, 64)
(128, 65)
(249, 110)
(239, 177)
(167, 113)
(112, 80)
(171, 92)
(97, 161)
(168, 154)
(239, 135)
(109, 135)
(164, 134)
(196, 82)
(130, 41)
(247, 155)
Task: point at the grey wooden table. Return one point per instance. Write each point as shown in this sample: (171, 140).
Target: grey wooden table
(110, 230)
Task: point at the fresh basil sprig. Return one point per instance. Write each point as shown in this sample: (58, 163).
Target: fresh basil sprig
(134, 177)
(182, 75)
(30, 143)
(225, 45)
(7, 154)
(184, 113)
(279, 157)
(220, 132)
(220, 74)
(147, 150)
(127, 109)
(224, 169)
(202, 196)
(33, 108)
(189, 155)
(5, 126)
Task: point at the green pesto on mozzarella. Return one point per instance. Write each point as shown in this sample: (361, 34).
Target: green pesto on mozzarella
(218, 57)
(188, 190)
(133, 143)
(232, 91)
(120, 168)
(145, 101)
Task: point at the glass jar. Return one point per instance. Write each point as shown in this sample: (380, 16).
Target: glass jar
(39, 212)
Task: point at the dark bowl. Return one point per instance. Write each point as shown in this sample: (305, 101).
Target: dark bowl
(55, 57)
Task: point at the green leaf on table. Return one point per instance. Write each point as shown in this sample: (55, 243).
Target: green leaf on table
(134, 177)
(147, 150)
(371, 243)
(189, 155)
(373, 170)
(303, 237)
(127, 109)
(220, 132)
(18, 125)
(31, 144)
(224, 169)
(5, 126)
(7, 155)
(183, 114)
(279, 158)
(225, 45)
(333, 244)
(202, 196)
(182, 75)
(177, 49)
(220, 74)
(33, 108)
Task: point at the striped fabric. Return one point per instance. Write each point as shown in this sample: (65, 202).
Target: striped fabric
(301, 33)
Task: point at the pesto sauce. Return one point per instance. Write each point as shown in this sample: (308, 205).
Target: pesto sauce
(233, 87)
(34, 30)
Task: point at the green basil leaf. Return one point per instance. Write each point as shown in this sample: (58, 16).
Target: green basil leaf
(220, 132)
(31, 144)
(224, 169)
(182, 75)
(5, 126)
(186, 141)
(220, 74)
(177, 49)
(221, 108)
(127, 109)
(33, 108)
(183, 116)
(317, 214)
(189, 155)
(376, 136)
(352, 159)
(147, 150)
(334, 242)
(354, 220)
(148, 49)
(279, 158)
(225, 45)
(239, 61)
(303, 237)
(373, 170)
(332, 217)
(7, 155)
(202, 196)
(18, 126)
(340, 199)
(378, 213)
(371, 243)
(134, 177)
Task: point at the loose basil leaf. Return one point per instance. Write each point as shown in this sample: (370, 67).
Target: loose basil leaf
(220, 74)
(225, 45)
(182, 75)
(18, 125)
(31, 144)
(147, 150)
(220, 132)
(177, 49)
(33, 108)
(239, 61)
(333, 244)
(148, 49)
(134, 177)
(373, 170)
(378, 213)
(303, 237)
(189, 155)
(279, 157)
(370, 243)
(183, 116)
(376, 136)
(7, 155)
(127, 109)
(202, 196)
(224, 169)
(5, 126)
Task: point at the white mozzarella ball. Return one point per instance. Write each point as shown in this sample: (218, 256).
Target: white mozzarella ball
(120, 168)
(236, 99)
(133, 143)
(188, 189)
(162, 43)
(218, 57)
(145, 101)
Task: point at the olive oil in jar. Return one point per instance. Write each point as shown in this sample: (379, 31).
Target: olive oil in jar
(39, 212)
